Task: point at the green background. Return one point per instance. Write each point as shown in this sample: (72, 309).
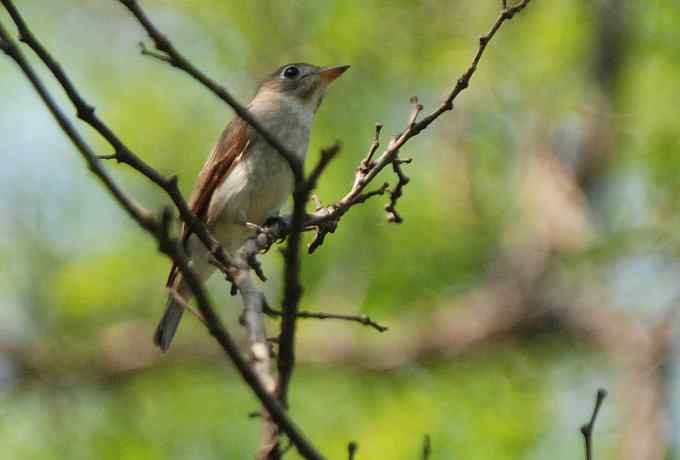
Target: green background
(78, 278)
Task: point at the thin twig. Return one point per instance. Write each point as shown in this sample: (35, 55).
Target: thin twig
(170, 55)
(377, 192)
(361, 319)
(369, 168)
(147, 52)
(587, 429)
(170, 247)
(391, 207)
(367, 163)
(352, 449)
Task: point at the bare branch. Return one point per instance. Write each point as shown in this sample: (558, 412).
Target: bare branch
(361, 319)
(123, 153)
(391, 207)
(352, 449)
(367, 163)
(464, 80)
(172, 248)
(142, 216)
(255, 304)
(293, 287)
(327, 155)
(367, 195)
(324, 220)
(587, 429)
(147, 52)
(370, 168)
(168, 53)
(299, 221)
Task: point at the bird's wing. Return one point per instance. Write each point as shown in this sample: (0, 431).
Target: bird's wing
(232, 144)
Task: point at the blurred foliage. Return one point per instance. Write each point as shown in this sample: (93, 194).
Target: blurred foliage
(72, 264)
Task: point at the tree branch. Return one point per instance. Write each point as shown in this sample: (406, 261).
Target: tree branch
(255, 304)
(170, 247)
(361, 319)
(325, 220)
(587, 429)
(176, 59)
(293, 288)
(320, 220)
(352, 449)
(123, 154)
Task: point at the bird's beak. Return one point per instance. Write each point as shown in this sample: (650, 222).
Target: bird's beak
(328, 74)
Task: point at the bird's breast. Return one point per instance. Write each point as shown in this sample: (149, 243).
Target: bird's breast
(259, 184)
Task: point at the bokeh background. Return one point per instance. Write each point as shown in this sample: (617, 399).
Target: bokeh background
(539, 258)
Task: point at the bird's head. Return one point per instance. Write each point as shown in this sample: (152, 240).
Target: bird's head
(306, 83)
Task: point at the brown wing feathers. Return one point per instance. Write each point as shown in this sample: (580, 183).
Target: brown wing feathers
(232, 142)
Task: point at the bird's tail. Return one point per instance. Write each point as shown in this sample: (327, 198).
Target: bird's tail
(165, 331)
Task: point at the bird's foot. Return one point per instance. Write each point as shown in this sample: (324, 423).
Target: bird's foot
(278, 225)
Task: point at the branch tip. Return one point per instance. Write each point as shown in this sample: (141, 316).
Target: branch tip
(352, 449)
(587, 428)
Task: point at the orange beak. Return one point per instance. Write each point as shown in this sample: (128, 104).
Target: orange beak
(328, 74)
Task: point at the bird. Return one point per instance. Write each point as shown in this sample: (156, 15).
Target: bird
(245, 180)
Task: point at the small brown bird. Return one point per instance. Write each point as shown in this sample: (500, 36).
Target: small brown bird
(245, 180)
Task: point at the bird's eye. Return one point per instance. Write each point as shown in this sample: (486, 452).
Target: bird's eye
(290, 72)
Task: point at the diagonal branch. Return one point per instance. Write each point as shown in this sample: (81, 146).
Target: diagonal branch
(176, 59)
(159, 229)
(325, 220)
(365, 174)
(123, 153)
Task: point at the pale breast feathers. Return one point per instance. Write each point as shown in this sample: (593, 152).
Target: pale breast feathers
(232, 143)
